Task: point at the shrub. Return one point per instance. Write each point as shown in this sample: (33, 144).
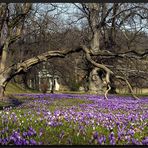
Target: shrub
(74, 86)
(44, 87)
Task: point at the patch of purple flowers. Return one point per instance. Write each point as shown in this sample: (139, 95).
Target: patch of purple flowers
(124, 114)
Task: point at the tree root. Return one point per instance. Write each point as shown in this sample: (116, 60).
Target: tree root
(106, 92)
(108, 73)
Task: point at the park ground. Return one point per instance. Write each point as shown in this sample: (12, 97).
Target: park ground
(31, 118)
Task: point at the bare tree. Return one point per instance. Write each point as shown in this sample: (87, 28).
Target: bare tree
(98, 16)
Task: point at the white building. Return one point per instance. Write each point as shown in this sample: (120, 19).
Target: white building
(50, 80)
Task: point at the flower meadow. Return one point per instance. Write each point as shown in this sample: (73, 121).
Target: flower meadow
(72, 119)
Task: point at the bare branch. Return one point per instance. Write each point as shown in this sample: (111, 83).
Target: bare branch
(129, 86)
(87, 52)
(108, 72)
(106, 92)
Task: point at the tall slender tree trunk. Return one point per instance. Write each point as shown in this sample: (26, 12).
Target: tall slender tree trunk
(24, 79)
(53, 85)
(2, 68)
(4, 55)
(2, 89)
(2, 85)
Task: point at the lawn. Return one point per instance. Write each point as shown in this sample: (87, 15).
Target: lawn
(71, 119)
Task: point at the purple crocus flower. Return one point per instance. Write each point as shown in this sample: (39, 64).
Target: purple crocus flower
(30, 133)
(101, 139)
(40, 143)
(135, 142)
(13, 139)
(40, 133)
(112, 138)
(24, 134)
(4, 141)
(131, 132)
(95, 135)
(18, 142)
(145, 141)
(32, 142)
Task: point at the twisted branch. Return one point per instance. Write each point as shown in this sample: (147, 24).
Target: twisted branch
(129, 86)
(108, 73)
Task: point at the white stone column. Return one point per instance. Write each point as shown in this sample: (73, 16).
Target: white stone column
(39, 83)
(50, 84)
(57, 86)
(39, 75)
(30, 83)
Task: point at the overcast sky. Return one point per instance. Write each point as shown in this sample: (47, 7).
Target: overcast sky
(67, 12)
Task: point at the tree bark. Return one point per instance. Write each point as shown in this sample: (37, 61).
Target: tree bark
(93, 23)
(9, 72)
(95, 82)
(108, 73)
(24, 79)
(15, 69)
(4, 55)
(1, 92)
(3, 84)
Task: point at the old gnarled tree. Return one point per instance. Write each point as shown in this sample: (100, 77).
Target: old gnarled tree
(12, 28)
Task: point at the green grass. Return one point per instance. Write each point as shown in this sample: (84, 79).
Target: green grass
(66, 103)
(145, 94)
(138, 95)
(4, 104)
(126, 93)
(51, 134)
(13, 88)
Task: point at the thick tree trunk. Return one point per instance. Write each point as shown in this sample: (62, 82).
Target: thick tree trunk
(95, 82)
(94, 21)
(113, 86)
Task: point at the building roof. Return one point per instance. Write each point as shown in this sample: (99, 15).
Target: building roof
(45, 73)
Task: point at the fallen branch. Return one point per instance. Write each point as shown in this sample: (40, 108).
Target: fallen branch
(129, 86)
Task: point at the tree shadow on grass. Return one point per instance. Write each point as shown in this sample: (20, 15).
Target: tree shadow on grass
(10, 102)
(15, 102)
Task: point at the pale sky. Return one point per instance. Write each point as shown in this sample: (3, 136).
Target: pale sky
(71, 11)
